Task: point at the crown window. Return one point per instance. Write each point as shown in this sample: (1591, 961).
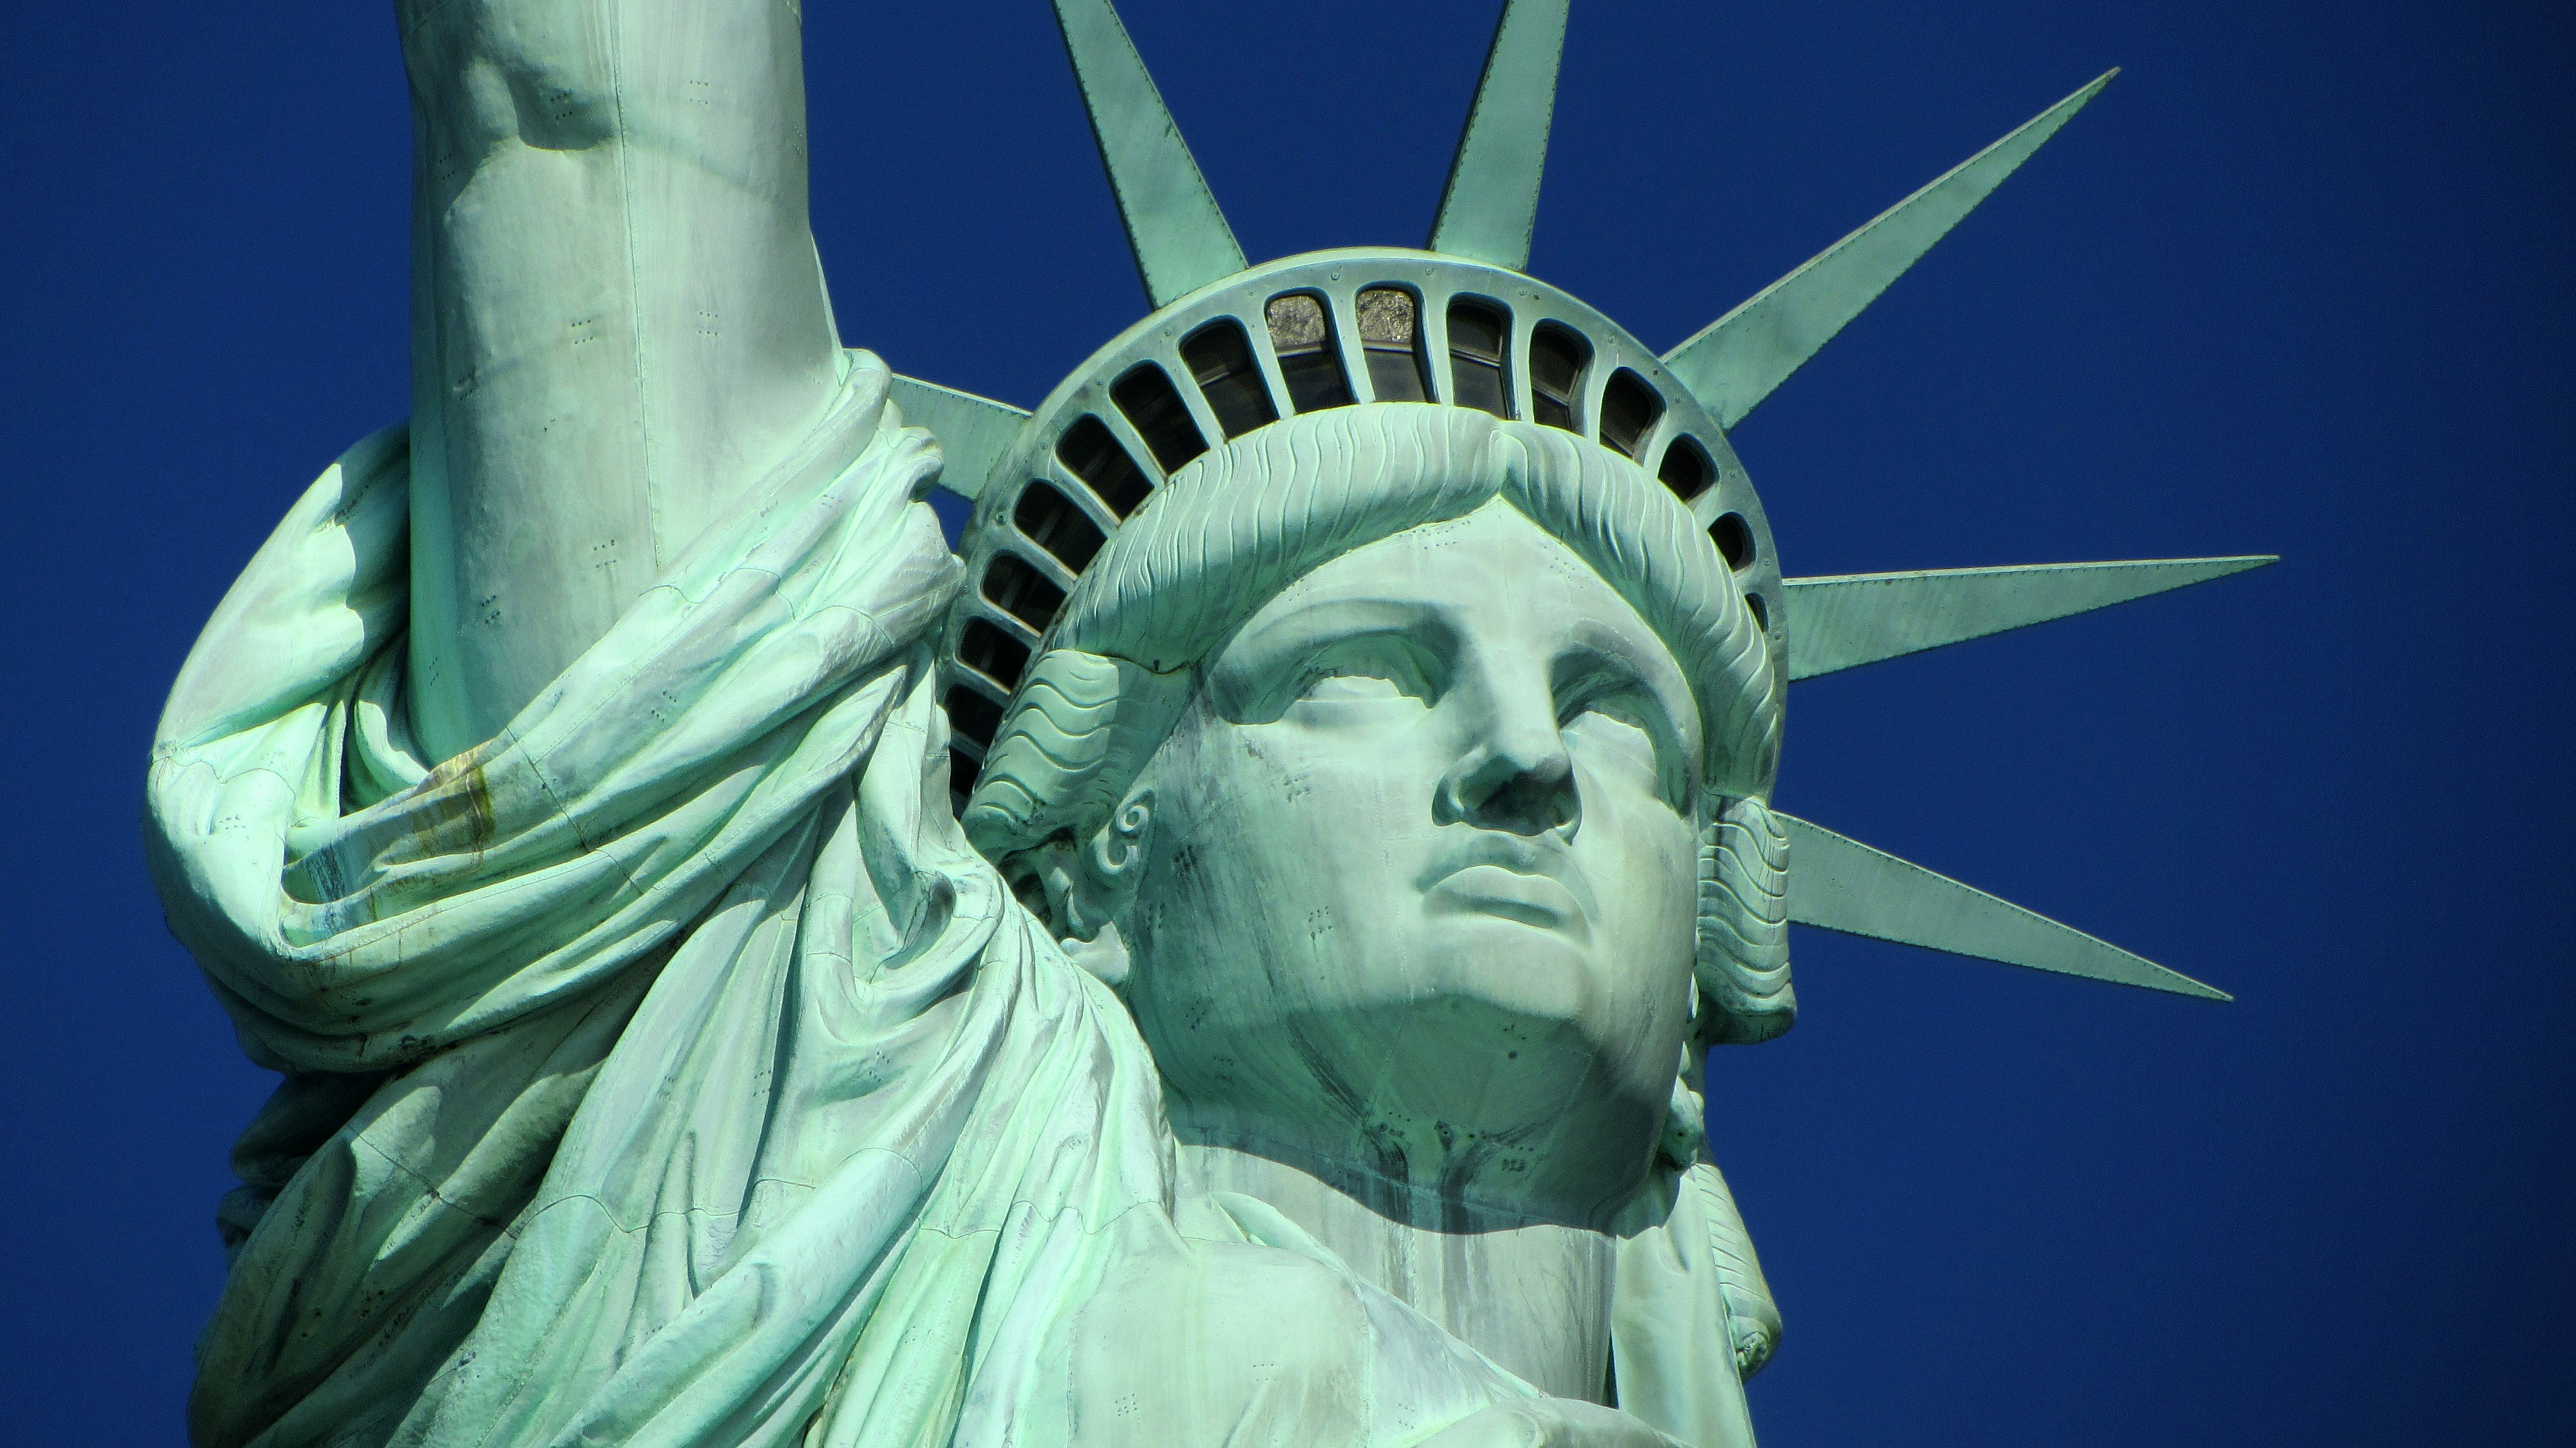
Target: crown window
(1734, 541)
(1476, 345)
(994, 654)
(1021, 591)
(1029, 888)
(1557, 359)
(1220, 361)
(974, 716)
(1391, 340)
(1761, 615)
(1148, 398)
(1302, 338)
(1628, 411)
(1093, 454)
(1685, 469)
(963, 769)
(1050, 520)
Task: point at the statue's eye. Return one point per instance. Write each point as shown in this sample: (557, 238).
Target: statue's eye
(1620, 735)
(1613, 735)
(1342, 688)
(1364, 671)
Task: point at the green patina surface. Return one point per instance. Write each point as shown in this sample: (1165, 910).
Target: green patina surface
(1231, 951)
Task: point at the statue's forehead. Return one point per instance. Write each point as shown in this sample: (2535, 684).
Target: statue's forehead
(1492, 572)
(1494, 550)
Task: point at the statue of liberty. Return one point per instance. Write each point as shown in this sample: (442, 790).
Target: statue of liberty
(1227, 955)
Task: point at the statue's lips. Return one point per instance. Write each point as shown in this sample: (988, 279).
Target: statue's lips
(1531, 899)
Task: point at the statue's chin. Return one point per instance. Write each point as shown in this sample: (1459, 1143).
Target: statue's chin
(1489, 1036)
(1494, 1094)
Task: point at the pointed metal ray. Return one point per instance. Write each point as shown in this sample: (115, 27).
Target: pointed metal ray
(1842, 884)
(1180, 238)
(1490, 204)
(1842, 622)
(1738, 359)
(973, 431)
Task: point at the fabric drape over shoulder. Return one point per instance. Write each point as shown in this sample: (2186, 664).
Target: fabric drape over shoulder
(668, 1070)
(636, 1061)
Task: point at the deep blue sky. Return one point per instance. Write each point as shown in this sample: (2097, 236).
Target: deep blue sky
(2298, 283)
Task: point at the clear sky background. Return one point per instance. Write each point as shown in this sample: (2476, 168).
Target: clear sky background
(2298, 283)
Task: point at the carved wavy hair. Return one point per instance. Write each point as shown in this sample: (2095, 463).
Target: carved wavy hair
(1244, 521)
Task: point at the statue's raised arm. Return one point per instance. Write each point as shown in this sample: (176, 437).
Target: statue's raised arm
(523, 737)
(618, 318)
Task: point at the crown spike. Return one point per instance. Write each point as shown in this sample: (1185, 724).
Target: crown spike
(1841, 884)
(973, 432)
(1180, 237)
(1490, 204)
(1737, 360)
(1843, 622)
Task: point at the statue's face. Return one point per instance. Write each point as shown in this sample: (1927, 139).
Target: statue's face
(1419, 884)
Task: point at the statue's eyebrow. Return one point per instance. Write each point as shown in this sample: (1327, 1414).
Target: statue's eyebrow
(1255, 657)
(1329, 620)
(1643, 662)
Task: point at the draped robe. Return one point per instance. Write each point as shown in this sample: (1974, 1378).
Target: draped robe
(668, 1069)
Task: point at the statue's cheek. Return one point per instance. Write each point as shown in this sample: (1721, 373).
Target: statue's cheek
(1646, 864)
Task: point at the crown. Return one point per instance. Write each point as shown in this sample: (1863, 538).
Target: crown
(1306, 334)
(1230, 348)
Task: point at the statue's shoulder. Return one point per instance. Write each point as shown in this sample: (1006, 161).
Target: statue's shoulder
(1185, 1339)
(1206, 1336)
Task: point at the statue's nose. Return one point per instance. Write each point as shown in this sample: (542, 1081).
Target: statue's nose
(1515, 775)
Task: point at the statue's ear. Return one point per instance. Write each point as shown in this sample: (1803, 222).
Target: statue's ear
(1111, 861)
(1091, 885)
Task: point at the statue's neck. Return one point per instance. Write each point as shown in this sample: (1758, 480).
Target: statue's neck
(1532, 1295)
